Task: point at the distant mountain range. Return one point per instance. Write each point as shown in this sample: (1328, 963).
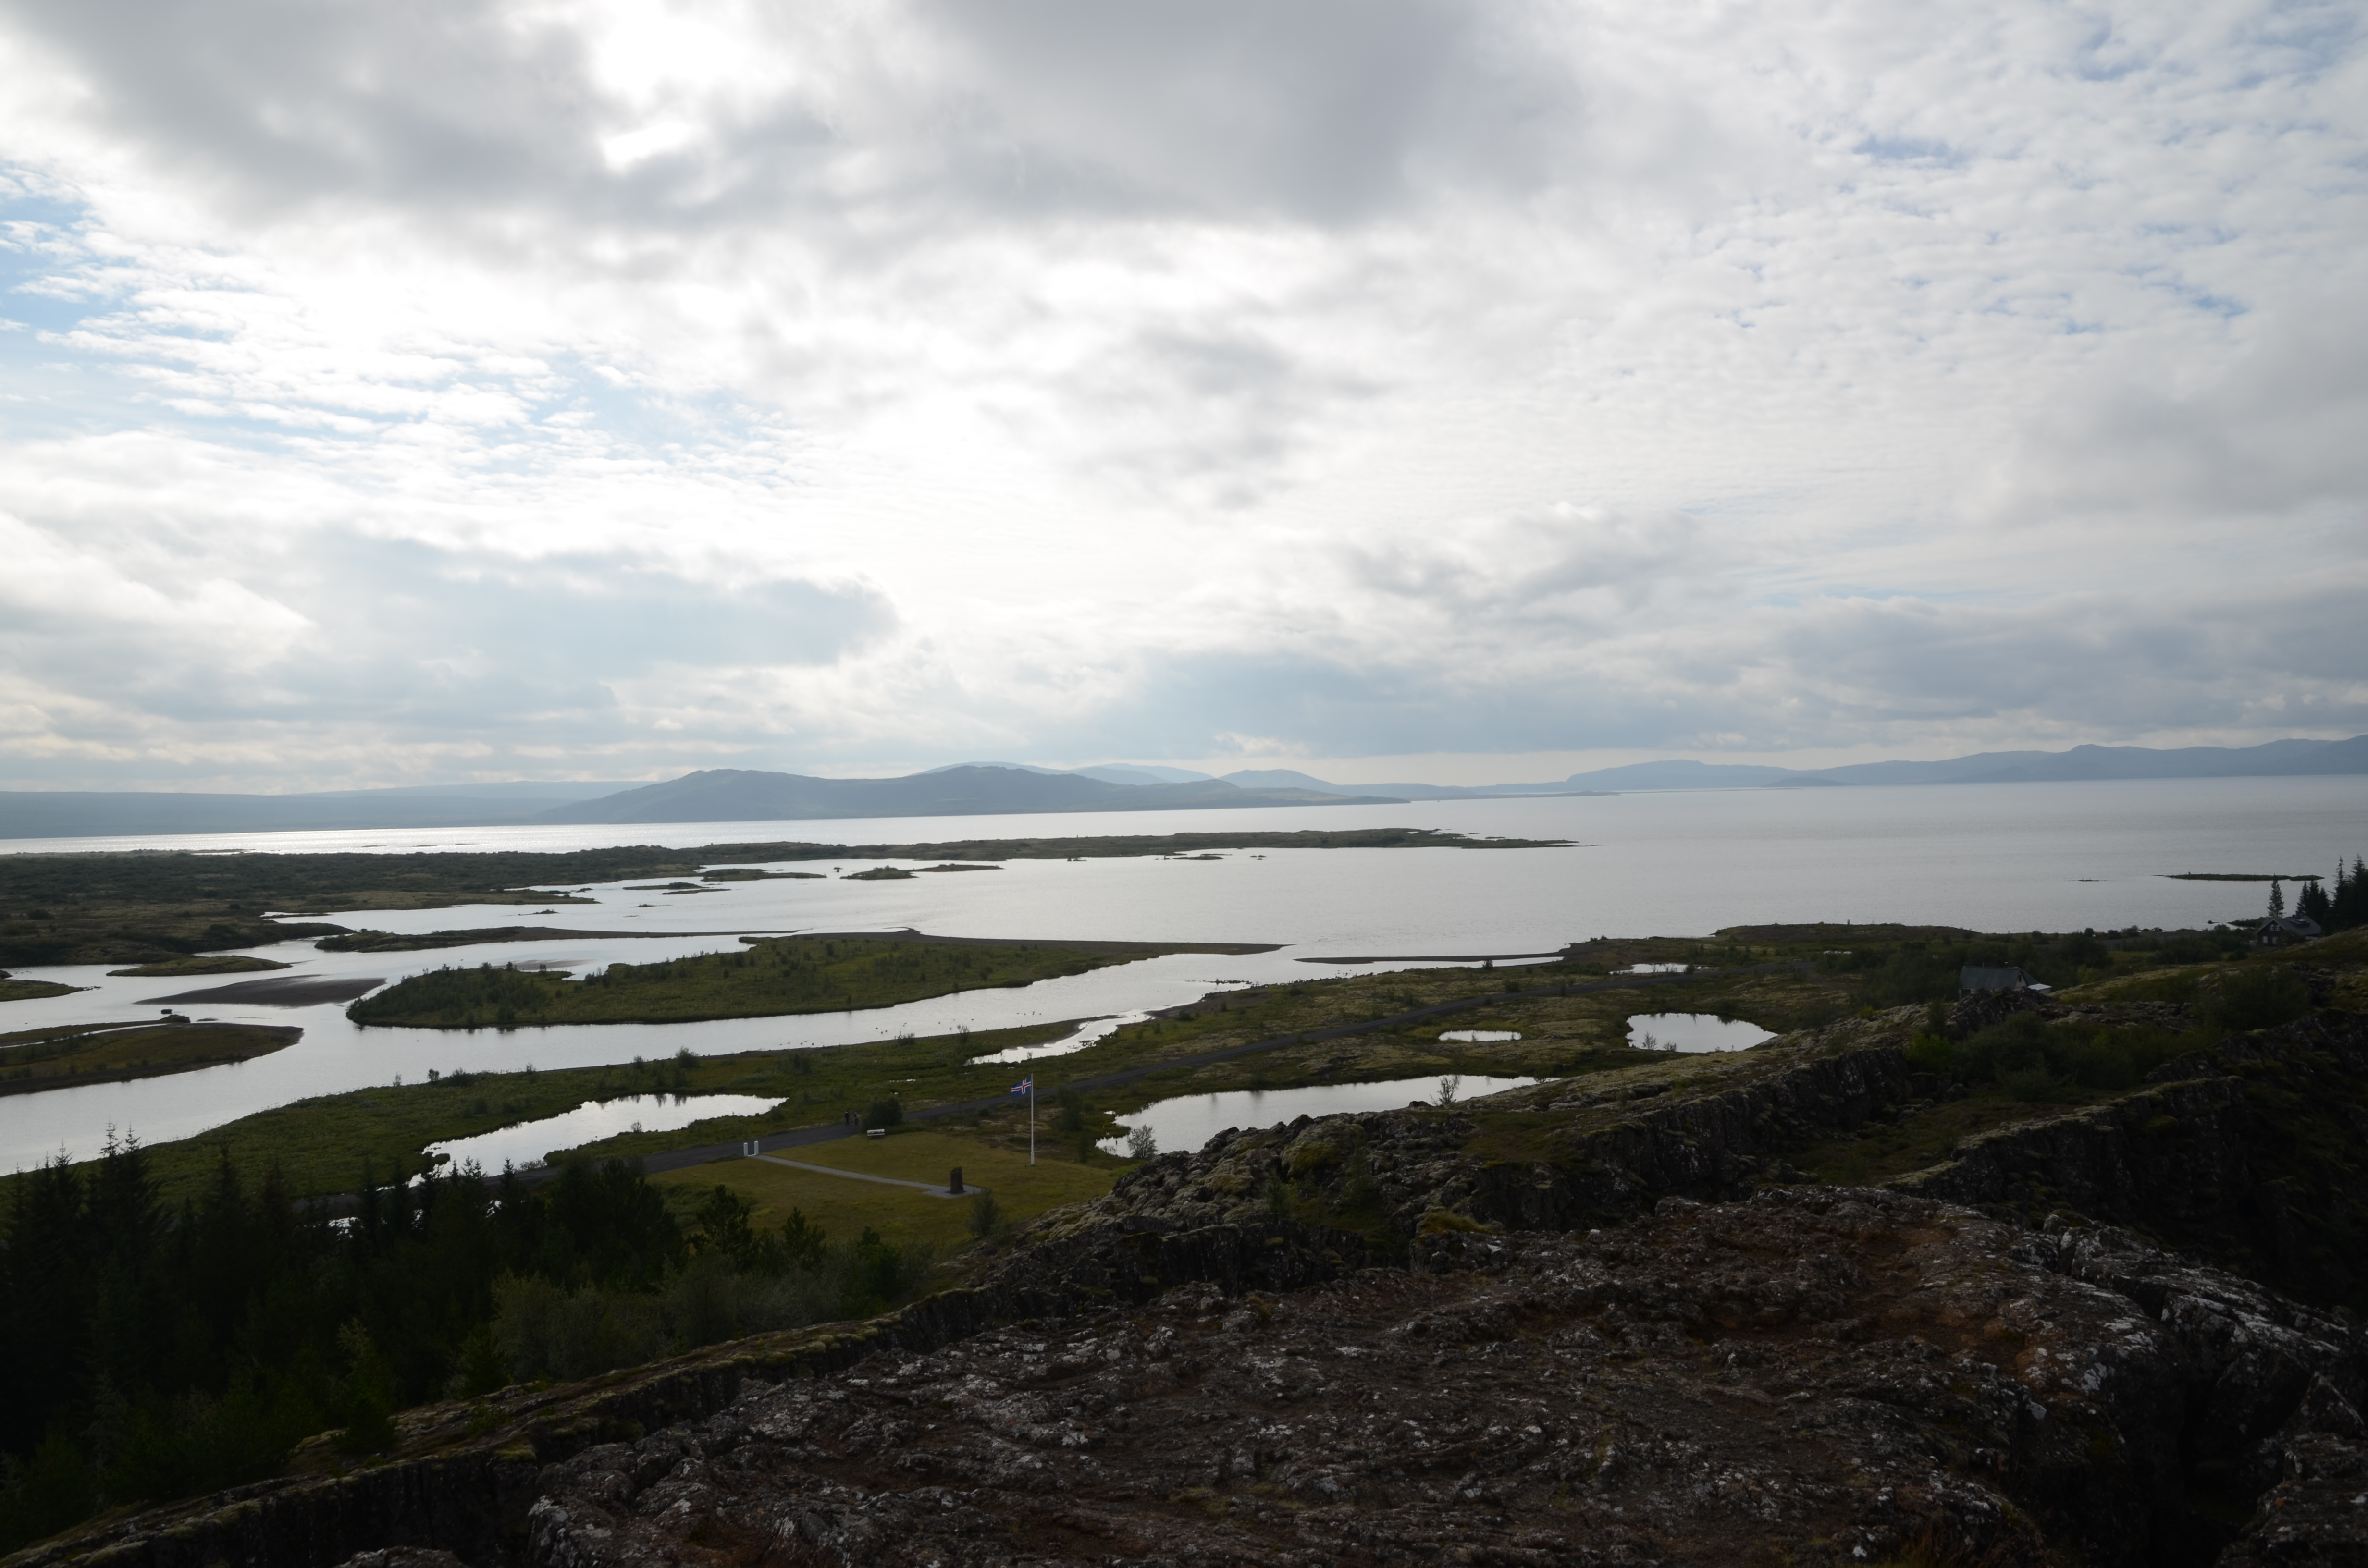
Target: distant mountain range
(2277, 760)
(994, 789)
(727, 794)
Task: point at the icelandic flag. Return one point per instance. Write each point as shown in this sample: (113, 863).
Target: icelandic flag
(1026, 1086)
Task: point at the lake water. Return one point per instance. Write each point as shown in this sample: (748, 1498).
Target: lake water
(1190, 1121)
(1990, 857)
(1692, 1032)
(525, 1143)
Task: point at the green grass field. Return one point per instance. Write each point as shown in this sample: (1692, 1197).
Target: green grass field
(845, 1207)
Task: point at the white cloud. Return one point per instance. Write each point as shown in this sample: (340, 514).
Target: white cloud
(1117, 377)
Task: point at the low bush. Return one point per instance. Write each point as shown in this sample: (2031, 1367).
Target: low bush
(2036, 1060)
(2257, 998)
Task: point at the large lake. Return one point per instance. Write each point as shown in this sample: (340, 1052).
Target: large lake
(2025, 856)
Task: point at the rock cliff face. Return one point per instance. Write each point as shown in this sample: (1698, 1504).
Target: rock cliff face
(1592, 1322)
(2250, 1153)
(1599, 1152)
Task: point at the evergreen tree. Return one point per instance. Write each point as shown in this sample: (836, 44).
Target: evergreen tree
(2277, 900)
(2312, 904)
(2349, 905)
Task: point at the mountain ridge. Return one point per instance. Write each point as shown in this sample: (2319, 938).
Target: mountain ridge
(743, 795)
(992, 789)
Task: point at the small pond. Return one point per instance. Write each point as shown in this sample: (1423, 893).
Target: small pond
(1480, 1037)
(1692, 1032)
(1191, 1121)
(526, 1142)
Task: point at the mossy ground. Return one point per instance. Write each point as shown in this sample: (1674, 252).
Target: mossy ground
(1883, 1150)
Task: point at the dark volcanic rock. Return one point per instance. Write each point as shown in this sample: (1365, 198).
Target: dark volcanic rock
(1203, 1367)
(1813, 1376)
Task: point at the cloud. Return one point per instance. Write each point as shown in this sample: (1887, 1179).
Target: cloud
(2265, 437)
(871, 384)
(394, 644)
(1328, 111)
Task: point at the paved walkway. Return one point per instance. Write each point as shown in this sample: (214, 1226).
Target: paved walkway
(969, 1187)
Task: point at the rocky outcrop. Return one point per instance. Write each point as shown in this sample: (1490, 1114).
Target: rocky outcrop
(2248, 1153)
(1577, 1363)
(463, 1476)
(1811, 1377)
(1601, 1150)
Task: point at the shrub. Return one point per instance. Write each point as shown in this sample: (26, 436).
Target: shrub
(1929, 1053)
(985, 1214)
(885, 1113)
(2262, 998)
(2033, 1059)
(802, 1241)
(723, 1225)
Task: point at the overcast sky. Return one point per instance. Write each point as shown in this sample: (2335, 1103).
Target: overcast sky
(1387, 388)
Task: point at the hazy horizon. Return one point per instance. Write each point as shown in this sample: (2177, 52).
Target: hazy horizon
(1397, 389)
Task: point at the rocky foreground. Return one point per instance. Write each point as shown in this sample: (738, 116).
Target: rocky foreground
(1812, 1376)
(1627, 1335)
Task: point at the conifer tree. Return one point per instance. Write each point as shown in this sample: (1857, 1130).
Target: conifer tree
(2312, 904)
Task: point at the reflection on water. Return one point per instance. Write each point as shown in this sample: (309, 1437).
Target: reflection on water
(1093, 1031)
(527, 1143)
(1692, 1032)
(1191, 1121)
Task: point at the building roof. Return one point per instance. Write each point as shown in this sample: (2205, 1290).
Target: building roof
(1979, 977)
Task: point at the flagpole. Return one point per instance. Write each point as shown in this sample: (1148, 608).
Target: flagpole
(1031, 1118)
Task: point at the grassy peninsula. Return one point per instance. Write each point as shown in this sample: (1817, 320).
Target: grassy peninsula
(62, 1055)
(771, 977)
(33, 990)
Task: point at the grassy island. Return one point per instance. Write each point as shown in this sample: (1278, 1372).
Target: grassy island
(772, 977)
(197, 963)
(63, 1055)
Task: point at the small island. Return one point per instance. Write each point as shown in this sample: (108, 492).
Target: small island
(65, 1055)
